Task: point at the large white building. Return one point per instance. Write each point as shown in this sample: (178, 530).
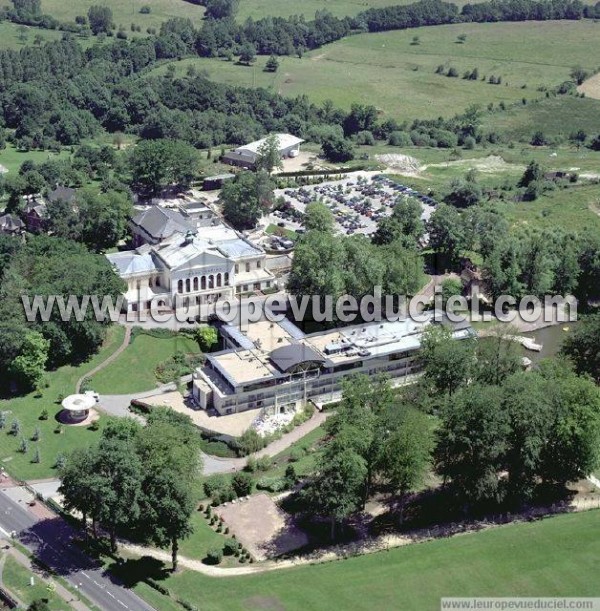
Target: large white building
(199, 268)
(274, 366)
(245, 156)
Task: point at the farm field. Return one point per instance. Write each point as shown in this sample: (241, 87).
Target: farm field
(125, 12)
(27, 410)
(400, 76)
(552, 557)
(133, 370)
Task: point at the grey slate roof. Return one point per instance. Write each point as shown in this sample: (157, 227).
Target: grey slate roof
(161, 223)
(292, 355)
(10, 224)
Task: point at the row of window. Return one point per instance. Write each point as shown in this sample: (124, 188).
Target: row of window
(205, 282)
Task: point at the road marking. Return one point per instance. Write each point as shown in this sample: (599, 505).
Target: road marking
(4, 532)
(110, 594)
(122, 604)
(85, 575)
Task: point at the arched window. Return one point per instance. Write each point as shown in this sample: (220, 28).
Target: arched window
(219, 279)
(180, 286)
(195, 284)
(211, 282)
(203, 283)
(187, 285)
(157, 280)
(226, 279)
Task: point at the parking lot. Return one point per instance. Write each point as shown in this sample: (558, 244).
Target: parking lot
(357, 203)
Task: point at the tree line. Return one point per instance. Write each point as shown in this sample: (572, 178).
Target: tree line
(137, 480)
(500, 438)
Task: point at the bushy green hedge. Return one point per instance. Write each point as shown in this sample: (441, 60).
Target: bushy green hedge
(271, 484)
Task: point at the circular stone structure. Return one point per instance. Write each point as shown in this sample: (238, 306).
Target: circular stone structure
(77, 407)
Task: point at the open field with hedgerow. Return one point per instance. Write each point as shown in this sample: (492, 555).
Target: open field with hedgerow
(552, 557)
(398, 76)
(125, 12)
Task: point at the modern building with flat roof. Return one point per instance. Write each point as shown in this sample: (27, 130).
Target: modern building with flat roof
(275, 366)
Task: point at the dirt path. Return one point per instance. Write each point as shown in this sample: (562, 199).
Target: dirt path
(591, 87)
(108, 361)
(356, 548)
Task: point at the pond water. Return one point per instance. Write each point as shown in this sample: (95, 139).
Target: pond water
(551, 339)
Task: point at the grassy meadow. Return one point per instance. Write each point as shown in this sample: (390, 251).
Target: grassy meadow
(399, 77)
(133, 370)
(552, 557)
(125, 12)
(27, 410)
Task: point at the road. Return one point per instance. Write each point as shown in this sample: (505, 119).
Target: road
(50, 541)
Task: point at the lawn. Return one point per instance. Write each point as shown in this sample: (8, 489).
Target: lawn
(288, 233)
(12, 159)
(134, 370)
(15, 578)
(203, 538)
(552, 557)
(399, 77)
(27, 410)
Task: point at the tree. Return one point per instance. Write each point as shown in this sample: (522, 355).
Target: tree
(579, 74)
(533, 173)
(446, 232)
(156, 164)
(405, 221)
(472, 443)
(318, 217)
(272, 64)
(221, 9)
(104, 218)
(451, 287)
(463, 194)
(447, 362)
(118, 486)
(337, 149)
(30, 365)
(100, 19)
(247, 53)
(246, 198)
(79, 482)
(581, 347)
(407, 453)
(242, 483)
(269, 157)
(28, 8)
(207, 337)
(336, 490)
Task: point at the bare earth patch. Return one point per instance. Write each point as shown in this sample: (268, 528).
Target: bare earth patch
(591, 87)
(488, 165)
(400, 163)
(261, 526)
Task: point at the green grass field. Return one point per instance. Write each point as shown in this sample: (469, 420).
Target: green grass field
(133, 371)
(399, 77)
(15, 578)
(125, 12)
(10, 35)
(12, 159)
(27, 410)
(553, 557)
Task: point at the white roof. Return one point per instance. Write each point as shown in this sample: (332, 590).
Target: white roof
(285, 141)
(78, 403)
(131, 262)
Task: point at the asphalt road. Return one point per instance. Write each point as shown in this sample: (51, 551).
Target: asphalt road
(50, 541)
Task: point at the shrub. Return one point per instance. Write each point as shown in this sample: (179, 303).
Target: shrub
(94, 426)
(296, 454)
(264, 463)
(250, 442)
(15, 427)
(23, 446)
(365, 137)
(2, 420)
(469, 143)
(44, 415)
(36, 434)
(230, 547)
(242, 483)
(290, 476)
(213, 483)
(214, 556)
(271, 484)
(60, 461)
(399, 138)
(37, 457)
(145, 10)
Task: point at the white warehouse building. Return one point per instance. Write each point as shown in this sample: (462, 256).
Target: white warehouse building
(245, 156)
